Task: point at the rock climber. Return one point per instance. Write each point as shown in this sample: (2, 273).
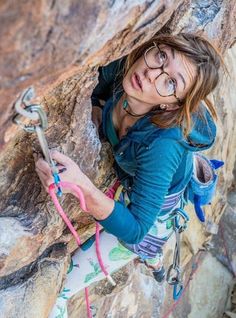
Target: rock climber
(153, 107)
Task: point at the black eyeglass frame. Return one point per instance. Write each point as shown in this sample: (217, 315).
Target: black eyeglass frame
(163, 72)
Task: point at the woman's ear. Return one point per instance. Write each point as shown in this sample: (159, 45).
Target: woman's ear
(166, 107)
(169, 107)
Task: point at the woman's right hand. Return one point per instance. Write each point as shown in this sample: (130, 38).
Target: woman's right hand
(97, 116)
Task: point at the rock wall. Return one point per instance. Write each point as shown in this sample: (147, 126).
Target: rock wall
(57, 46)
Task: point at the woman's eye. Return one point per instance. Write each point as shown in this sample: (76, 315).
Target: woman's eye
(174, 83)
(163, 56)
(171, 84)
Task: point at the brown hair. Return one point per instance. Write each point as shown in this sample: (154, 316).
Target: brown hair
(208, 61)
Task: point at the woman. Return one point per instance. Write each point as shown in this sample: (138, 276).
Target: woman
(154, 119)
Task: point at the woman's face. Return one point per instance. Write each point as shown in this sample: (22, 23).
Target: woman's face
(147, 85)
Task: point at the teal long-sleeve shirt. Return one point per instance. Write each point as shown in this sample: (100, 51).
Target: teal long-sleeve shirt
(150, 162)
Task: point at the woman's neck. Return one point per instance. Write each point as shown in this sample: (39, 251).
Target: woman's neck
(122, 119)
(125, 113)
(134, 107)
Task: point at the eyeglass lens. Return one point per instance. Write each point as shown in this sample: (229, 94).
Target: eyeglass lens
(164, 83)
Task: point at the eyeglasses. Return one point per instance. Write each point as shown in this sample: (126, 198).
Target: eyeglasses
(165, 85)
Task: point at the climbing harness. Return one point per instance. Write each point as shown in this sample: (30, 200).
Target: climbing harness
(36, 113)
(151, 244)
(174, 274)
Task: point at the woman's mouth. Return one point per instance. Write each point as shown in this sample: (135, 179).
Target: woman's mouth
(136, 82)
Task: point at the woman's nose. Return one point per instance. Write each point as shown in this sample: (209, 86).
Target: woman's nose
(152, 74)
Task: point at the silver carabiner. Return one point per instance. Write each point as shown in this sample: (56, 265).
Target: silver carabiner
(173, 276)
(46, 152)
(180, 220)
(44, 146)
(33, 112)
(36, 109)
(24, 99)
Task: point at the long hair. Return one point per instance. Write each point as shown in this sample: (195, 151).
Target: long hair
(208, 60)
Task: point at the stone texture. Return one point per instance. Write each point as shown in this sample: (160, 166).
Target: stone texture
(57, 46)
(32, 291)
(223, 244)
(205, 295)
(209, 302)
(44, 42)
(231, 305)
(137, 294)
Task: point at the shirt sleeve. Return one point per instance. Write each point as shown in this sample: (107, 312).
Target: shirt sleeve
(156, 168)
(108, 81)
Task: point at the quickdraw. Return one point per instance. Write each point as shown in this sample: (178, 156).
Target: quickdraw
(174, 273)
(36, 113)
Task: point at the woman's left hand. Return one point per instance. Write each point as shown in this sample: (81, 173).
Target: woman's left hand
(68, 170)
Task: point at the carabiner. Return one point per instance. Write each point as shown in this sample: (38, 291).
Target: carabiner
(180, 215)
(36, 113)
(41, 116)
(173, 279)
(177, 291)
(46, 152)
(57, 182)
(24, 99)
(183, 214)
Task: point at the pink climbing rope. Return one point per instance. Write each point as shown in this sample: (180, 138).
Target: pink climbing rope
(110, 193)
(98, 250)
(79, 194)
(97, 245)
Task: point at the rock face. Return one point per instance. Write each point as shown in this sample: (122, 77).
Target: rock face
(139, 295)
(56, 46)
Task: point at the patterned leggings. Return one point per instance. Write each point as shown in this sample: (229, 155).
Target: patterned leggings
(85, 270)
